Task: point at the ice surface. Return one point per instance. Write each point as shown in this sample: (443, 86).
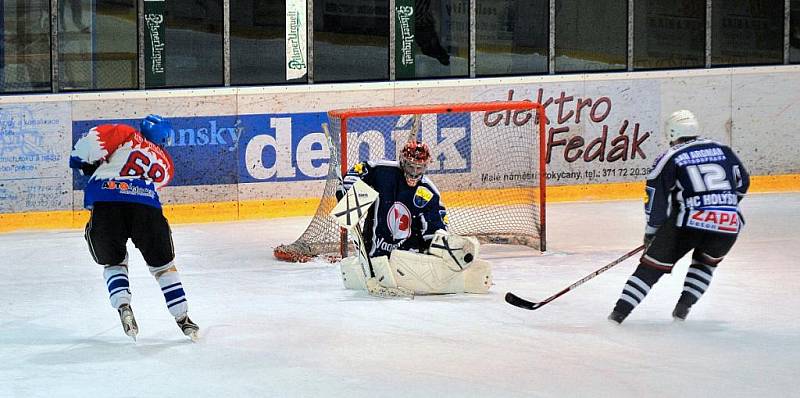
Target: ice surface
(273, 329)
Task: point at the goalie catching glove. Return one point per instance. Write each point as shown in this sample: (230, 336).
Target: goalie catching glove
(456, 251)
(452, 266)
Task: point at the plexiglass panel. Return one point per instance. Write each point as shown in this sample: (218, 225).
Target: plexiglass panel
(24, 46)
(259, 40)
(351, 40)
(191, 53)
(511, 37)
(747, 32)
(97, 45)
(440, 43)
(794, 32)
(669, 34)
(591, 35)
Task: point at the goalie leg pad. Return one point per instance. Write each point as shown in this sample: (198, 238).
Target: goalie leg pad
(383, 272)
(352, 273)
(426, 274)
(382, 285)
(478, 277)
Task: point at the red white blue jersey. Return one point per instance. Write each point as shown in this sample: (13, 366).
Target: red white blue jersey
(404, 217)
(128, 167)
(703, 181)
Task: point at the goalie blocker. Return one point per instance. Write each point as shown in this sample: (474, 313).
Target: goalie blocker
(450, 266)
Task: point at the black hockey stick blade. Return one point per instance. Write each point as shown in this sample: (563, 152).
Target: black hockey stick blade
(520, 302)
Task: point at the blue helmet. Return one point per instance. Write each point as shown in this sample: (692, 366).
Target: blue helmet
(156, 129)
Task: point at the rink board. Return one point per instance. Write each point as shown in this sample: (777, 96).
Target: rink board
(291, 207)
(259, 152)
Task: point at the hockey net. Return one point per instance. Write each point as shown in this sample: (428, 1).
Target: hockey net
(488, 164)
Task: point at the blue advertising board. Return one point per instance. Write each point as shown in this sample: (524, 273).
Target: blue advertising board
(203, 149)
(212, 150)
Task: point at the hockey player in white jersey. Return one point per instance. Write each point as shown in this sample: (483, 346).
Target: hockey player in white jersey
(406, 248)
(693, 195)
(126, 168)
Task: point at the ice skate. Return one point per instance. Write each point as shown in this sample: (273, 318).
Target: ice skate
(617, 317)
(188, 327)
(680, 312)
(129, 325)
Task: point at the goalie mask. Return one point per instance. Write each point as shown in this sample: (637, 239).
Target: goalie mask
(414, 161)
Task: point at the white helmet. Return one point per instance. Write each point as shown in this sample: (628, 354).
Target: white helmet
(681, 124)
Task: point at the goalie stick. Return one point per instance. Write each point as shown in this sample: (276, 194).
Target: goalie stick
(520, 302)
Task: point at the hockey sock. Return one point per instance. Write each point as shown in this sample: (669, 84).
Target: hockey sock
(119, 291)
(697, 280)
(636, 288)
(170, 282)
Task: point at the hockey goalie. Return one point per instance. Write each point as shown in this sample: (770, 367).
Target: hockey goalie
(404, 248)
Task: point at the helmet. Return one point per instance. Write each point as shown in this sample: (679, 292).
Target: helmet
(681, 124)
(156, 129)
(414, 161)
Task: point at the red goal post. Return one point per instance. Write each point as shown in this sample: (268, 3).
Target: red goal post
(488, 164)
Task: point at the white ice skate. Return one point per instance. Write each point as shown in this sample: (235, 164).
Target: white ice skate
(129, 325)
(188, 327)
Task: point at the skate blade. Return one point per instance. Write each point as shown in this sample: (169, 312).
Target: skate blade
(132, 333)
(129, 329)
(194, 336)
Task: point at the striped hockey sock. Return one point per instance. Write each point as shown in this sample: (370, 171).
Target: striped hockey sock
(697, 281)
(170, 282)
(119, 291)
(636, 289)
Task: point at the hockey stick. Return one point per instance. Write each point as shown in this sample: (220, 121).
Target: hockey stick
(517, 301)
(350, 210)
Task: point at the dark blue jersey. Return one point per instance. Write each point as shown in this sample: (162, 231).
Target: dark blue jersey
(701, 183)
(403, 217)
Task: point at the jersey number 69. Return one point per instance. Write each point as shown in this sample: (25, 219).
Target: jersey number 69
(138, 164)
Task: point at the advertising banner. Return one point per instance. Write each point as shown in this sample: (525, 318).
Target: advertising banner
(203, 149)
(604, 131)
(296, 48)
(596, 132)
(217, 150)
(404, 46)
(34, 152)
(154, 43)
(283, 147)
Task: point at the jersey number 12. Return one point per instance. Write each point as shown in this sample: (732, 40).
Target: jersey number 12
(708, 177)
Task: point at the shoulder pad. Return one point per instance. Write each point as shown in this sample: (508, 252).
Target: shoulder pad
(361, 168)
(427, 182)
(662, 160)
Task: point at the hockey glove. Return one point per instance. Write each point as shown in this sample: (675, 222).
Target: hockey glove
(88, 169)
(416, 241)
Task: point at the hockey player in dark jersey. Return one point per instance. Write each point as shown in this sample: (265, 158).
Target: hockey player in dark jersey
(405, 231)
(127, 167)
(409, 210)
(693, 195)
